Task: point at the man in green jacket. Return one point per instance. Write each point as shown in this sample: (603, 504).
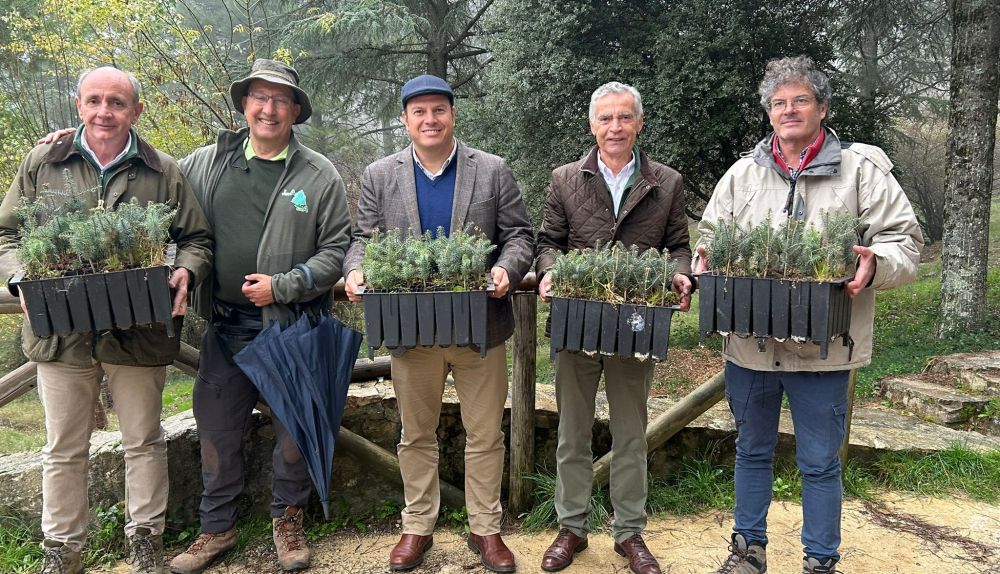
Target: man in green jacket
(279, 211)
(108, 157)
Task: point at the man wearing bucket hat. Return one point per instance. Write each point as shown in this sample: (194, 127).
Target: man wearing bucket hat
(279, 212)
(440, 182)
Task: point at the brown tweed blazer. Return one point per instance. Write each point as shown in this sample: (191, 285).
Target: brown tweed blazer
(486, 195)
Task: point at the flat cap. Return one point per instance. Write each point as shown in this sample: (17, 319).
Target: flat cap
(426, 84)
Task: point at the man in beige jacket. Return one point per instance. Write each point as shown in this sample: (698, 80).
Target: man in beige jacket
(801, 171)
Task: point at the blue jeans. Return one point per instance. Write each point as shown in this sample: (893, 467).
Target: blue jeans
(818, 402)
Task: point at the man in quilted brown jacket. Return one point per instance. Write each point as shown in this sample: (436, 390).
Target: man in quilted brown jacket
(615, 193)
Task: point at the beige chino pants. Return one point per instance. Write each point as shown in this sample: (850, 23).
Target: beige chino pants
(418, 377)
(68, 393)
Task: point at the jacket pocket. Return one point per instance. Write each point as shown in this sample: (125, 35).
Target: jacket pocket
(742, 198)
(38, 349)
(139, 346)
(483, 214)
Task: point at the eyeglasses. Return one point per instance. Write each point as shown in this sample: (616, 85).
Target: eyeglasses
(280, 102)
(797, 103)
(606, 119)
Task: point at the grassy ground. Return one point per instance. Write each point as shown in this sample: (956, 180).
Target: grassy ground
(705, 483)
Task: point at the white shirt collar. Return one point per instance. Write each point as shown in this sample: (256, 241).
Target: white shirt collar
(616, 183)
(86, 148)
(432, 176)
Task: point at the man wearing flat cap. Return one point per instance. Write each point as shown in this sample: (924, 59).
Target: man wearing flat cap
(435, 182)
(279, 212)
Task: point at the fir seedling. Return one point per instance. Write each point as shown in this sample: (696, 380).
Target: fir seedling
(615, 274)
(59, 235)
(455, 262)
(794, 250)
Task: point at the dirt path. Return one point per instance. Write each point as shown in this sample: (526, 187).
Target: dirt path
(903, 534)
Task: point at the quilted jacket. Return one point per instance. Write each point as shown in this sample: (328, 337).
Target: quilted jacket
(579, 212)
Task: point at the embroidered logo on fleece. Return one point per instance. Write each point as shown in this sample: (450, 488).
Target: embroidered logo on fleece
(299, 201)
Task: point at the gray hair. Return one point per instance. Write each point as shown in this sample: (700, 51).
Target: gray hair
(797, 70)
(136, 86)
(615, 88)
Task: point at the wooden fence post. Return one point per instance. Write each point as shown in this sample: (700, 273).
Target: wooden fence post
(522, 403)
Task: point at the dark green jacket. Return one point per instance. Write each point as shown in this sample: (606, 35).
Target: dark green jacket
(315, 236)
(147, 175)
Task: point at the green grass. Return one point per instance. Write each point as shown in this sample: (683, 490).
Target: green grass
(700, 484)
(17, 553)
(22, 424)
(543, 513)
(177, 395)
(106, 540)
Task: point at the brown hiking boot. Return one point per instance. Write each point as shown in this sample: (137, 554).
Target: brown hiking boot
(59, 559)
(744, 558)
(290, 540)
(203, 551)
(145, 552)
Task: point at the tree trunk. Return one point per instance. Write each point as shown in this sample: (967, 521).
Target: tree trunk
(975, 80)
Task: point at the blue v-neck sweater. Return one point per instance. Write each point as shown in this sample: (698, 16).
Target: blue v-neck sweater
(435, 198)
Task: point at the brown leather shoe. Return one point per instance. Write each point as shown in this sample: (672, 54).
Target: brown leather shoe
(640, 560)
(409, 551)
(493, 553)
(561, 552)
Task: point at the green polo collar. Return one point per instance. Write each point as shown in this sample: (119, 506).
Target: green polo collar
(250, 154)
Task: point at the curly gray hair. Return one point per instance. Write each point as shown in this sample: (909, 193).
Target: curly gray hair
(615, 88)
(797, 70)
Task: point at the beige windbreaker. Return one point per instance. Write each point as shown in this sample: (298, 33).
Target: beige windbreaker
(850, 177)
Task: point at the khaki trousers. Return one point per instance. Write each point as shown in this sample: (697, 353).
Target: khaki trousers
(418, 377)
(627, 383)
(68, 393)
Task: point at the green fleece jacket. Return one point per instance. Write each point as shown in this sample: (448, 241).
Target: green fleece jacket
(307, 224)
(145, 174)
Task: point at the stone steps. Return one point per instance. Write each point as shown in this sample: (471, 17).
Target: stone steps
(979, 372)
(942, 404)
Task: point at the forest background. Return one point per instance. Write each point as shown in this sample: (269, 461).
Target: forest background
(524, 70)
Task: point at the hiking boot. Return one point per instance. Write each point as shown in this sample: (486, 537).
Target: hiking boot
(59, 559)
(290, 540)
(744, 558)
(205, 549)
(811, 565)
(145, 552)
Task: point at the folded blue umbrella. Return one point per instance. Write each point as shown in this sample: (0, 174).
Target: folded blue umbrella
(303, 372)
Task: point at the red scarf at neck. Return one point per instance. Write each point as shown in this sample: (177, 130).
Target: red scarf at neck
(805, 157)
